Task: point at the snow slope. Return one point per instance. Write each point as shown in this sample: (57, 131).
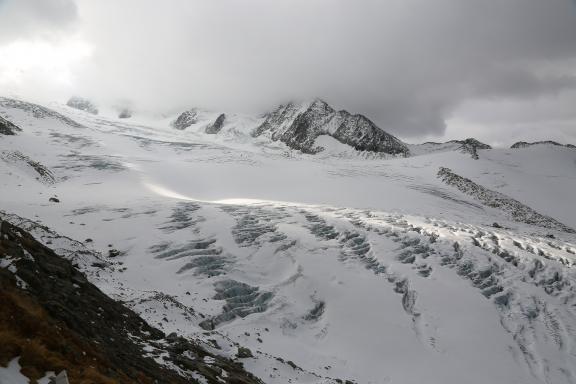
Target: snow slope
(329, 266)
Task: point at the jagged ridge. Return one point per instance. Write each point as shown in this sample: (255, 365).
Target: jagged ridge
(519, 212)
(298, 126)
(8, 128)
(524, 144)
(37, 111)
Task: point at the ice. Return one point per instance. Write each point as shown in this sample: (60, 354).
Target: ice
(339, 265)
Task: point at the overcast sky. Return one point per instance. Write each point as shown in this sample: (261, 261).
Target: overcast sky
(501, 70)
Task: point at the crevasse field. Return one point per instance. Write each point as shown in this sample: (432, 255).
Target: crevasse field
(334, 265)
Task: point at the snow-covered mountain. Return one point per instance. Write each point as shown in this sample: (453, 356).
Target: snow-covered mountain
(523, 144)
(470, 146)
(425, 266)
(314, 127)
(299, 125)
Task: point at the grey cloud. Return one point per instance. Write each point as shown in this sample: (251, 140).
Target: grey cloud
(522, 84)
(23, 19)
(407, 64)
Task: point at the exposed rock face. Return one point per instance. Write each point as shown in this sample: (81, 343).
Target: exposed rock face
(125, 114)
(471, 146)
(82, 104)
(50, 303)
(40, 171)
(298, 126)
(472, 143)
(518, 211)
(186, 119)
(217, 125)
(38, 111)
(7, 128)
(524, 144)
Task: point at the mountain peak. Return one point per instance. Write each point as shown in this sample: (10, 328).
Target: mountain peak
(524, 144)
(319, 103)
(472, 142)
(82, 104)
(298, 125)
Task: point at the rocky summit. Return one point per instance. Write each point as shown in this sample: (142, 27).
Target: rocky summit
(299, 125)
(471, 146)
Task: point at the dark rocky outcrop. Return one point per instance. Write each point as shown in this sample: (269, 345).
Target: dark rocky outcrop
(299, 125)
(54, 318)
(186, 119)
(38, 111)
(40, 171)
(471, 146)
(8, 128)
(524, 144)
(82, 104)
(125, 114)
(518, 211)
(217, 125)
(244, 353)
(472, 143)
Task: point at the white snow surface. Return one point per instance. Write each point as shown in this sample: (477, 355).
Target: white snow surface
(349, 267)
(11, 374)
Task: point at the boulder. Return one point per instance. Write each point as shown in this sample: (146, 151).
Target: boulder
(186, 119)
(217, 125)
(125, 114)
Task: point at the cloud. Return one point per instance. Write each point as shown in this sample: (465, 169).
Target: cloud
(503, 122)
(25, 19)
(410, 65)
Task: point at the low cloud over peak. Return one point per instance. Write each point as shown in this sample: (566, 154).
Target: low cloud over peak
(409, 65)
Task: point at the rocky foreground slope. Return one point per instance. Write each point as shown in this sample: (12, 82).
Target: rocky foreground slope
(54, 319)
